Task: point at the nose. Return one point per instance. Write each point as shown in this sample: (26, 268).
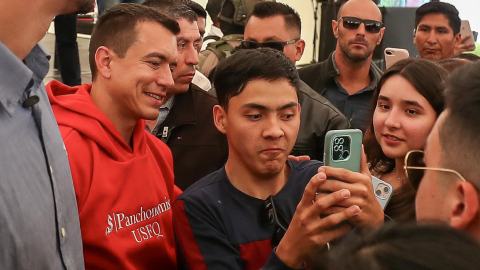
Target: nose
(273, 129)
(432, 38)
(361, 29)
(192, 56)
(393, 120)
(165, 78)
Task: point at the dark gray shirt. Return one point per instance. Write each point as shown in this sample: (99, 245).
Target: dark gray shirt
(355, 107)
(39, 225)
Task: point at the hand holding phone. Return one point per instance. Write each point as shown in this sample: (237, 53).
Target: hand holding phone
(345, 161)
(467, 42)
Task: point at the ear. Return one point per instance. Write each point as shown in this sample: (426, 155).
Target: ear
(220, 118)
(466, 206)
(103, 59)
(458, 39)
(414, 35)
(381, 33)
(335, 28)
(299, 49)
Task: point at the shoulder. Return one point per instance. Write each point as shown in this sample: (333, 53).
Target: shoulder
(207, 187)
(376, 71)
(317, 67)
(310, 96)
(305, 168)
(202, 96)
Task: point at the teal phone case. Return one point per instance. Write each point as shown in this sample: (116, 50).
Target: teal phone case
(343, 149)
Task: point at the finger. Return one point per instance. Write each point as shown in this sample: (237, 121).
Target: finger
(310, 192)
(328, 236)
(325, 202)
(304, 158)
(335, 219)
(333, 210)
(330, 185)
(342, 174)
(294, 158)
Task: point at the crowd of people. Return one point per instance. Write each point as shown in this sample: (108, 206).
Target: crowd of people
(194, 152)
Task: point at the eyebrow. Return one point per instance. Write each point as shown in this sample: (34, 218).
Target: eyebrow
(263, 107)
(380, 97)
(180, 39)
(156, 55)
(412, 103)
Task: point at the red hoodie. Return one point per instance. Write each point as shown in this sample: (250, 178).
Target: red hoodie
(124, 195)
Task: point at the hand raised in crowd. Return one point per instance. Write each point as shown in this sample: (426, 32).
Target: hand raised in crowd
(307, 231)
(362, 194)
(464, 47)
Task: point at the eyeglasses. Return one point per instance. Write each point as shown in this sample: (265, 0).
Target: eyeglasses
(268, 215)
(415, 166)
(353, 23)
(277, 45)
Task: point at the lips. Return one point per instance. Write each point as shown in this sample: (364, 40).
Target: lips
(392, 138)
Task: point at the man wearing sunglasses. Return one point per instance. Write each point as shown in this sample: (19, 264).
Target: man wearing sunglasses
(348, 77)
(450, 175)
(278, 26)
(260, 209)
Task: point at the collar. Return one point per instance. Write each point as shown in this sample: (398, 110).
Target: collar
(372, 73)
(169, 104)
(215, 31)
(184, 109)
(17, 76)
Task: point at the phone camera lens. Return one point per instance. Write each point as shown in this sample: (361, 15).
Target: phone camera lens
(378, 192)
(386, 189)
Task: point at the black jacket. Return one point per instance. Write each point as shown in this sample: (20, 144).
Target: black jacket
(317, 117)
(197, 146)
(317, 75)
(321, 75)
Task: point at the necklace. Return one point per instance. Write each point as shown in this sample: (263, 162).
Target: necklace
(400, 179)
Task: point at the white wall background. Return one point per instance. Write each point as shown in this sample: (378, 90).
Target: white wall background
(469, 10)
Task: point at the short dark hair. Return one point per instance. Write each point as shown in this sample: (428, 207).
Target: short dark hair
(459, 133)
(427, 77)
(448, 10)
(404, 246)
(198, 9)
(264, 10)
(213, 8)
(176, 10)
(116, 29)
(235, 72)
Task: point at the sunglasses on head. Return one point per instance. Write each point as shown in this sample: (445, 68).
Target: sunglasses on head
(415, 167)
(353, 23)
(277, 45)
(268, 215)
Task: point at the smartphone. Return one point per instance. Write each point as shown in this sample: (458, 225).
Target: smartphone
(383, 191)
(343, 149)
(393, 55)
(465, 30)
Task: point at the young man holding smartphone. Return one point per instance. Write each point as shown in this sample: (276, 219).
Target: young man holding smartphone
(261, 209)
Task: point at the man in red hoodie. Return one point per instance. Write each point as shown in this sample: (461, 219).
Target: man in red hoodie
(123, 176)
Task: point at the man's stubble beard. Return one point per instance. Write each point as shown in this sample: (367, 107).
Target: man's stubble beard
(355, 58)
